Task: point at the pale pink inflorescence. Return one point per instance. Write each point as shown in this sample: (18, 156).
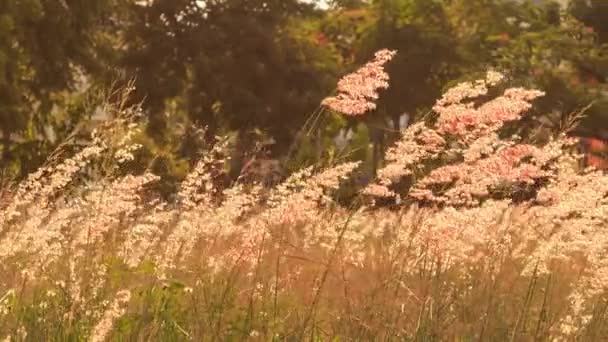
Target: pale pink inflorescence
(471, 133)
(358, 91)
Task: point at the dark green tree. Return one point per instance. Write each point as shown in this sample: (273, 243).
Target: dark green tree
(536, 46)
(239, 65)
(565, 60)
(594, 14)
(427, 58)
(46, 46)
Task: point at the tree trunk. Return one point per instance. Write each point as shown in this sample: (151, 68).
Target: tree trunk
(377, 137)
(375, 159)
(396, 123)
(6, 145)
(157, 125)
(240, 149)
(318, 144)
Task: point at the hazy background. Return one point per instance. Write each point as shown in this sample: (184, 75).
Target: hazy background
(257, 70)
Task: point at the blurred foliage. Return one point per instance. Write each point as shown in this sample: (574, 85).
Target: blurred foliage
(258, 70)
(48, 51)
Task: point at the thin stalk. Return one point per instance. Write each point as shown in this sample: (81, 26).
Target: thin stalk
(317, 295)
(524, 312)
(543, 311)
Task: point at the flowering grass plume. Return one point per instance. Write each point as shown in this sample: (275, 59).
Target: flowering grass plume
(490, 238)
(473, 162)
(358, 91)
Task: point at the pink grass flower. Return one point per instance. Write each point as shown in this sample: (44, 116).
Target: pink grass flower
(358, 90)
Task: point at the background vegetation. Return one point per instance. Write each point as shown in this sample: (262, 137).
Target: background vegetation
(258, 70)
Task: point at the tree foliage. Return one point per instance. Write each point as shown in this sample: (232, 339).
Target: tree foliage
(46, 47)
(259, 69)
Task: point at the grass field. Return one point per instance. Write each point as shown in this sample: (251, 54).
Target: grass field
(486, 237)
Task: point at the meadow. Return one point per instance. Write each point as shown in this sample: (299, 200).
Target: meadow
(468, 233)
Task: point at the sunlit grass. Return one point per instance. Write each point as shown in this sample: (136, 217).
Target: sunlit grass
(494, 240)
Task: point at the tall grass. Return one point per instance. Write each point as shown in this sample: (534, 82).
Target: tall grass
(487, 238)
